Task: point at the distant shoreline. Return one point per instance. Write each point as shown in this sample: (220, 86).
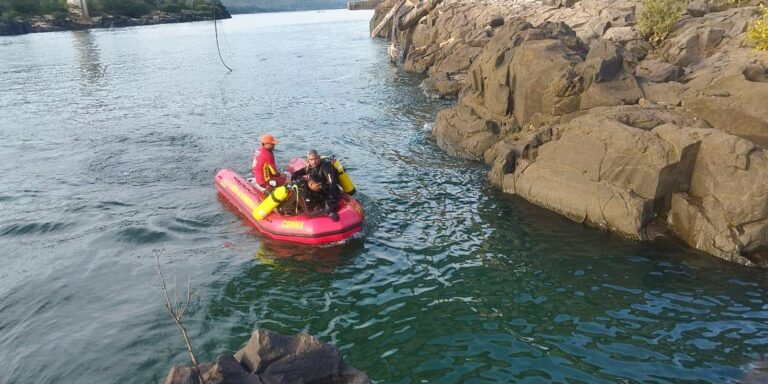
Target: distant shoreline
(237, 11)
(46, 23)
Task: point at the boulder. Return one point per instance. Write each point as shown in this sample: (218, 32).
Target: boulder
(310, 361)
(277, 358)
(271, 358)
(622, 91)
(697, 8)
(603, 62)
(657, 71)
(725, 212)
(227, 370)
(182, 375)
(606, 173)
(695, 39)
(559, 3)
(505, 154)
(456, 61)
(543, 80)
(622, 34)
(663, 93)
(732, 104)
(467, 137)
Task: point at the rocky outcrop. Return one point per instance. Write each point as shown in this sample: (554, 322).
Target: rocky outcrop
(575, 112)
(601, 171)
(269, 357)
(14, 27)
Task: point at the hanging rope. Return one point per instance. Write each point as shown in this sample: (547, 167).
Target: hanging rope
(216, 29)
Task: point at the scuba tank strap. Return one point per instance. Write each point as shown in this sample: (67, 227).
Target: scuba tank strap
(295, 190)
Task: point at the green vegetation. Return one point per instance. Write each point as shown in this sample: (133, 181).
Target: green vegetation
(132, 8)
(137, 8)
(10, 9)
(758, 30)
(658, 17)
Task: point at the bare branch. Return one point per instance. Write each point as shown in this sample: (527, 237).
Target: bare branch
(175, 291)
(177, 313)
(189, 296)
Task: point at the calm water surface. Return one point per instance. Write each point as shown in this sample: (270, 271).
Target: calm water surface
(109, 141)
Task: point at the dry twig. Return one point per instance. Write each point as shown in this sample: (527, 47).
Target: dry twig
(177, 313)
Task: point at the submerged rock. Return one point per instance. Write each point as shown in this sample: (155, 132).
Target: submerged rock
(271, 358)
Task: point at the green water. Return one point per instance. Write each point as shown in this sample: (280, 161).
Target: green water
(109, 141)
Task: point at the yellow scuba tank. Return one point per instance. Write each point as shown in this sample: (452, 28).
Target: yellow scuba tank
(344, 180)
(271, 202)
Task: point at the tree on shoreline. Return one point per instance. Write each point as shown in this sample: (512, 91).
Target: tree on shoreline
(15, 8)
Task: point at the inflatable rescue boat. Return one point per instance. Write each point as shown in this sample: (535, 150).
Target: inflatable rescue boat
(259, 209)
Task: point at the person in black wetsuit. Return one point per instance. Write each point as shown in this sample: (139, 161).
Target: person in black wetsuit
(311, 197)
(324, 172)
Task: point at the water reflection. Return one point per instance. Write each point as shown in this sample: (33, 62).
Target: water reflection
(92, 72)
(296, 257)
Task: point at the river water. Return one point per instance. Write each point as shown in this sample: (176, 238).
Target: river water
(109, 141)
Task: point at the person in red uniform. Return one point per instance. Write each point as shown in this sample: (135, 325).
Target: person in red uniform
(264, 168)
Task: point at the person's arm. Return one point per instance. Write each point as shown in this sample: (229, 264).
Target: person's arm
(332, 194)
(332, 175)
(258, 167)
(299, 174)
(270, 168)
(332, 204)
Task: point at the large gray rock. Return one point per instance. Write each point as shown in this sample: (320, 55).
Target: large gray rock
(228, 370)
(608, 174)
(603, 62)
(732, 104)
(696, 39)
(725, 213)
(543, 80)
(697, 8)
(182, 375)
(622, 34)
(657, 71)
(279, 359)
(663, 93)
(271, 358)
(622, 91)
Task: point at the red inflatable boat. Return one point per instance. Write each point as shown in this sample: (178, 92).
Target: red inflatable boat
(300, 228)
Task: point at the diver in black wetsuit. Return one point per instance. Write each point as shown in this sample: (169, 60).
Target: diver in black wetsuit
(311, 196)
(322, 171)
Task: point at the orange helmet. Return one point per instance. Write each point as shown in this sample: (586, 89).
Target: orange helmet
(268, 139)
